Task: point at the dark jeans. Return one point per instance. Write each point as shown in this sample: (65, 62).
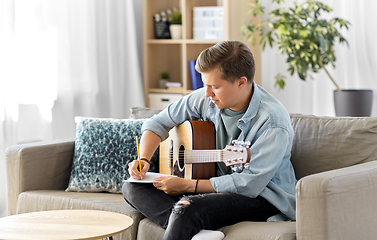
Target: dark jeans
(185, 216)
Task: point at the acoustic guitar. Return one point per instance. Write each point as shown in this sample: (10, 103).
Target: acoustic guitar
(189, 151)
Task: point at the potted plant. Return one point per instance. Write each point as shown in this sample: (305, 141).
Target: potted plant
(175, 20)
(164, 78)
(305, 38)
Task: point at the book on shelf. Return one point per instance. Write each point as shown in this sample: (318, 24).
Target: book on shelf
(196, 77)
(208, 22)
(173, 85)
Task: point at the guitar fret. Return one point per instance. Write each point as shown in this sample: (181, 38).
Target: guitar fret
(197, 156)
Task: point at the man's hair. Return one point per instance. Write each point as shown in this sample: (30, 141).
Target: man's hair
(233, 58)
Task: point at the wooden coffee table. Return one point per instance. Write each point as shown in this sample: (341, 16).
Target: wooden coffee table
(64, 224)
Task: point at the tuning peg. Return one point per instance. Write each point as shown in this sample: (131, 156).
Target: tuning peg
(234, 168)
(241, 143)
(240, 167)
(247, 166)
(238, 143)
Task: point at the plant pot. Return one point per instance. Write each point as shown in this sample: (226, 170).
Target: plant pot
(163, 82)
(353, 103)
(176, 31)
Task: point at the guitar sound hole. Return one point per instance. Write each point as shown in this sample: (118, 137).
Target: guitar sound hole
(171, 167)
(179, 165)
(181, 157)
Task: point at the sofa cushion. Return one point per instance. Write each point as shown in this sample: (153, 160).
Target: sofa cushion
(103, 149)
(260, 230)
(45, 200)
(327, 143)
(143, 112)
(149, 230)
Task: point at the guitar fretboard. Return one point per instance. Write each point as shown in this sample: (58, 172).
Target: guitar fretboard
(201, 156)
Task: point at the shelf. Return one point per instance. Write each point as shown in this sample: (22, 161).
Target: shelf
(160, 90)
(164, 41)
(195, 41)
(173, 55)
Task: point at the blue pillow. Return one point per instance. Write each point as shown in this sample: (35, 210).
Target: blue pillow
(103, 149)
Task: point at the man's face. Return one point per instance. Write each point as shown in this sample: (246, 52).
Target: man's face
(223, 93)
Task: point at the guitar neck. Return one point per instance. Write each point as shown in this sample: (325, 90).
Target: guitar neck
(201, 156)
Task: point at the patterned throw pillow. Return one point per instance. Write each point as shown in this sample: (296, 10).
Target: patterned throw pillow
(103, 149)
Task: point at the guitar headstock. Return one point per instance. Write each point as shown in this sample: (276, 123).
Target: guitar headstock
(233, 155)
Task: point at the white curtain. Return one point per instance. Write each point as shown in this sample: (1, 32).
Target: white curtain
(356, 65)
(64, 58)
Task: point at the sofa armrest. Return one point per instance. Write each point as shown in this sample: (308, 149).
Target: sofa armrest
(338, 204)
(37, 166)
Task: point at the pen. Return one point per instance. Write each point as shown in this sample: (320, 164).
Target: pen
(138, 154)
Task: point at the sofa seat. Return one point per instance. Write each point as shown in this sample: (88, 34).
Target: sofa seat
(45, 200)
(261, 230)
(240, 231)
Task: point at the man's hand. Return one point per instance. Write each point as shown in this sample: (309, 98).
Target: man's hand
(175, 185)
(133, 169)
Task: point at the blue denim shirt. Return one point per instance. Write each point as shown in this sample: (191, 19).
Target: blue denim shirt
(266, 124)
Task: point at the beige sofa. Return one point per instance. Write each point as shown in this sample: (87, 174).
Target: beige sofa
(333, 159)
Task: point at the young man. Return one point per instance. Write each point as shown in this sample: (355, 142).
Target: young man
(240, 110)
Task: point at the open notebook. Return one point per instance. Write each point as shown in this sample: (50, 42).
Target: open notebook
(148, 178)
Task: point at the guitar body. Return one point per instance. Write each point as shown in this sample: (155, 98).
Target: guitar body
(190, 135)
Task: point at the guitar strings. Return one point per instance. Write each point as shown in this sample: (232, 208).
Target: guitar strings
(195, 153)
(198, 156)
(191, 156)
(187, 154)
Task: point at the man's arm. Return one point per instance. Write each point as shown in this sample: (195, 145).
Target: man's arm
(148, 144)
(176, 186)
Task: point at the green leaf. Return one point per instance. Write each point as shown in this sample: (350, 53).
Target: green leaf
(314, 57)
(304, 33)
(264, 45)
(251, 4)
(280, 81)
(291, 70)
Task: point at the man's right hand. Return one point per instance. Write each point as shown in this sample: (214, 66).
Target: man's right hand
(133, 169)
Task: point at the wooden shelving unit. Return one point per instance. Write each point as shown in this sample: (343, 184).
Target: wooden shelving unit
(173, 55)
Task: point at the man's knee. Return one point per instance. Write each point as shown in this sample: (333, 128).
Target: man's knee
(128, 189)
(189, 204)
(182, 205)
